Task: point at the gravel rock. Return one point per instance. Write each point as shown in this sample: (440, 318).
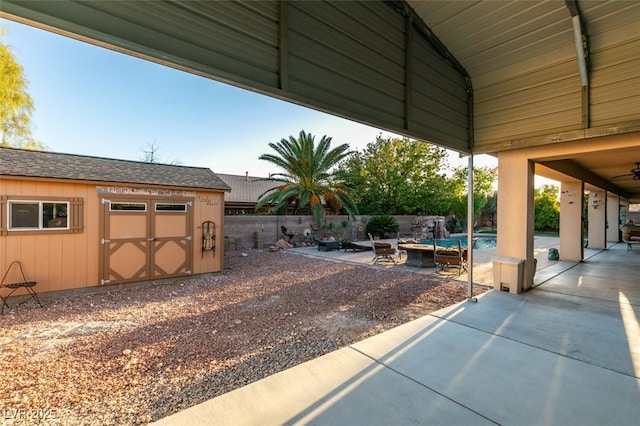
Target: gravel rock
(134, 356)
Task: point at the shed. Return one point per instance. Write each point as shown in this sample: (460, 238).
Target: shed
(77, 221)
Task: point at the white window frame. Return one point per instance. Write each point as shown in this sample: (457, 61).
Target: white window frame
(40, 204)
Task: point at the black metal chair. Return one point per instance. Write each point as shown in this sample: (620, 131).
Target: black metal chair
(27, 285)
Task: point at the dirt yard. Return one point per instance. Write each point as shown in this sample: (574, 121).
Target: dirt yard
(134, 356)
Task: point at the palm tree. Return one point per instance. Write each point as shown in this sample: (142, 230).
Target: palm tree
(309, 178)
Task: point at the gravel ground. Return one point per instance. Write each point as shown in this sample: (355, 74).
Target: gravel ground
(137, 355)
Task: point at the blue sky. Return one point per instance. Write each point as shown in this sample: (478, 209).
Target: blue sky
(93, 101)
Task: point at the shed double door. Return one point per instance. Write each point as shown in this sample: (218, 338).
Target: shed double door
(145, 239)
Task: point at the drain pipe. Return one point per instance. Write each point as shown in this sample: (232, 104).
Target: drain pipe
(581, 40)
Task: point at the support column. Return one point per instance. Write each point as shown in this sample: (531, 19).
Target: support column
(624, 211)
(597, 213)
(613, 218)
(571, 223)
(516, 212)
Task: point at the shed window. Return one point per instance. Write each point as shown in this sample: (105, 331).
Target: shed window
(171, 207)
(128, 207)
(36, 215)
(25, 215)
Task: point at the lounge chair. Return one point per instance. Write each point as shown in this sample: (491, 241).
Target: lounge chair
(349, 245)
(446, 257)
(382, 251)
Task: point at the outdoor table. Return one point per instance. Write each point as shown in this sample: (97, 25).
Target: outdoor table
(419, 255)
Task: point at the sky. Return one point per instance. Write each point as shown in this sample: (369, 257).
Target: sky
(93, 101)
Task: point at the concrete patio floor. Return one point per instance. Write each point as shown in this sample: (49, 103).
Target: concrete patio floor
(482, 261)
(565, 353)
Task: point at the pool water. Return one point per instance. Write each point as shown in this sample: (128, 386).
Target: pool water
(479, 242)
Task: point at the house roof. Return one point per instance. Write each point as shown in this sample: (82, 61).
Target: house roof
(245, 188)
(54, 165)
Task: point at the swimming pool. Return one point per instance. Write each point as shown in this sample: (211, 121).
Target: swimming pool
(479, 242)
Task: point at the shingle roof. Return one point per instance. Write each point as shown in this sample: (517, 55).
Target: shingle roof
(44, 164)
(246, 189)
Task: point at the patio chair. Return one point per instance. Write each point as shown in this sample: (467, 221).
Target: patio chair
(446, 257)
(382, 251)
(27, 285)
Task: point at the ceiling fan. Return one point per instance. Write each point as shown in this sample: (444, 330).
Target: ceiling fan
(635, 172)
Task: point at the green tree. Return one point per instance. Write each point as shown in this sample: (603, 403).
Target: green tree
(310, 176)
(16, 105)
(547, 208)
(400, 176)
(490, 209)
(483, 180)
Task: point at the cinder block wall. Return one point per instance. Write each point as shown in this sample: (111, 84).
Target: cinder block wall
(247, 232)
(635, 216)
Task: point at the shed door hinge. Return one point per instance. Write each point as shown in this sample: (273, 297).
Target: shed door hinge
(188, 237)
(103, 241)
(103, 282)
(105, 201)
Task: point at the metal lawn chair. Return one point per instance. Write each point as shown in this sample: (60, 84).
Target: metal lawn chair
(382, 251)
(26, 284)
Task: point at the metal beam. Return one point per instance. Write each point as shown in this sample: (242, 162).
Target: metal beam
(470, 122)
(283, 51)
(408, 71)
(554, 138)
(470, 220)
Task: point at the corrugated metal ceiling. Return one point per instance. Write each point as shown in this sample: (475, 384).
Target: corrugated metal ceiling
(522, 60)
(520, 55)
(493, 39)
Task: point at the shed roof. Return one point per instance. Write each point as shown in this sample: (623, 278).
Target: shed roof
(246, 189)
(54, 165)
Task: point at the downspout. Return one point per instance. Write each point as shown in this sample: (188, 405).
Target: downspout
(582, 52)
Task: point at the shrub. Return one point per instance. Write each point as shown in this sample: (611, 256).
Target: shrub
(382, 226)
(547, 208)
(454, 225)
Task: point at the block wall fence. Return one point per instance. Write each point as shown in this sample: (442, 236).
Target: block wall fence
(251, 232)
